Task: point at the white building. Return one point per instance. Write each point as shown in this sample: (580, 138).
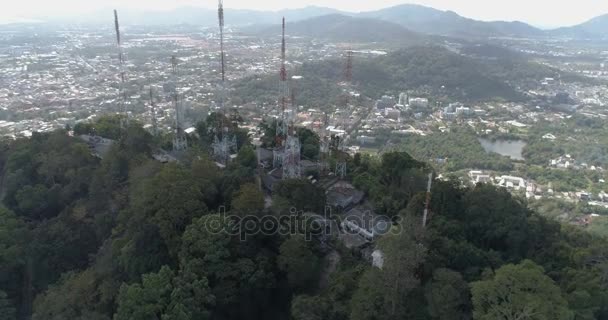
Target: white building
(419, 102)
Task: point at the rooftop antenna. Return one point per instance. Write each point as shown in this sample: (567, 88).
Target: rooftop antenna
(180, 143)
(121, 91)
(222, 144)
(427, 201)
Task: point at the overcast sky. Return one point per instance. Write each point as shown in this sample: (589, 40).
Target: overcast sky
(544, 13)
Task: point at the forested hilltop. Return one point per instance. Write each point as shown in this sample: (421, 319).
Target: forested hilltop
(128, 237)
(477, 73)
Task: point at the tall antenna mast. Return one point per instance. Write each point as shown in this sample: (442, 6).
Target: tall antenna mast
(220, 14)
(291, 154)
(325, 142)
(348, 77)
(121, 91)
(222, 144)
(180, 142)
(348, 71)
(281, 131)
(153, 111)
(427, 201)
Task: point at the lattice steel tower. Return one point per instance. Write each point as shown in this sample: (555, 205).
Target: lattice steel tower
(281, 122)
(286, 133)
(223, 144)
(153, 119)
(121, 69)
(341, 148)
(180, 143)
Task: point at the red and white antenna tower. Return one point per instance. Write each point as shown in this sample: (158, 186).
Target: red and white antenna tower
(222, 144)
(285, 129)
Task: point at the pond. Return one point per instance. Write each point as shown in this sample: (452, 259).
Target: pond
(509, 148)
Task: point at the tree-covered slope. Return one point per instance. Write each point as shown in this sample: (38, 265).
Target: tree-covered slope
(467, 76)
(133, 238)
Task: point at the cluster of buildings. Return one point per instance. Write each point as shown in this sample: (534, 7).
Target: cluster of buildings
(568, 162)
(51, 84)
(532, 190)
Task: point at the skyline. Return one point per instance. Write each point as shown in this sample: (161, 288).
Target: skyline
(533, 12)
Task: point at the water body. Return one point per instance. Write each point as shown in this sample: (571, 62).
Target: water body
(509, 148)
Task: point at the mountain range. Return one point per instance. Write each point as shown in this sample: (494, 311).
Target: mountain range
(415, 18)
(343, 28)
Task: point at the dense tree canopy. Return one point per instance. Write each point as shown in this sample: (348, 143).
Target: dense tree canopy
(518, 292)
(128, 237)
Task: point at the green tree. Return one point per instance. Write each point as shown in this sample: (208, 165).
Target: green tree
(14, 253)
(368, 301)
(404, 253)
(447, 296)
(74, 296)
(310, 143)
(169, 200)
(301, 194)
(7, 310)
(304, 307)
(246, 157)
(248, 200)
(239, 278)
(148, 300)
(299, 262)
(520, 291)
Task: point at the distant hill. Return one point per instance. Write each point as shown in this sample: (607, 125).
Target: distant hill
(480, 73)
(440, 72)
(447, 23)
(595, 28)
(416, 18)
(337, 27)
(202, 16)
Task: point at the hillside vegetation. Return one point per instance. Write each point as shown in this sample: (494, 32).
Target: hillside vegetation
(127, 237)
(474, 75)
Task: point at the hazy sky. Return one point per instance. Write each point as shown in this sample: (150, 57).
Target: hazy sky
(537, 12)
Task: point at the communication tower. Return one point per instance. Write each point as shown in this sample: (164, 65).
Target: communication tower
(153, 114)
(341, 152)
(121, 69)
(180, 143)
(223, 144)
(286, 134)
(427, 201)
